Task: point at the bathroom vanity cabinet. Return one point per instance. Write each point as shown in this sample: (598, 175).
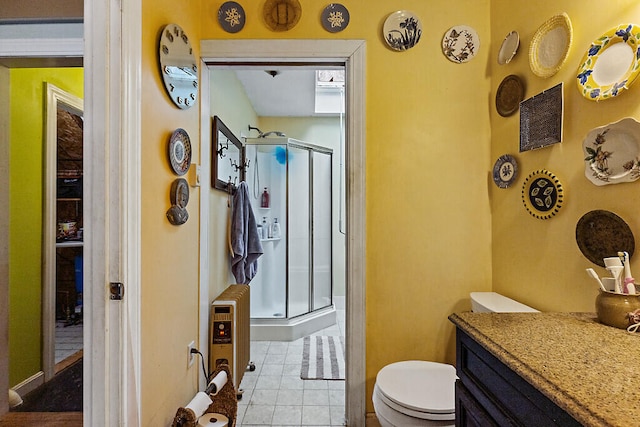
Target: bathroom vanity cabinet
(544, 369)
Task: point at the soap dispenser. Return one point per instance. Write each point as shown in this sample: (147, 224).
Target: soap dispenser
(265, 227)
(275, 231)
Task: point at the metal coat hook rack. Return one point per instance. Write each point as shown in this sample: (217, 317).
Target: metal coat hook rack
(238, 166)
(220, 150)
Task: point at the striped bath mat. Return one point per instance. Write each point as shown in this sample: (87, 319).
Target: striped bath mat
(323, 358)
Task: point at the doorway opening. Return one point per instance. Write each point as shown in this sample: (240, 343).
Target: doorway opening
(351, 55)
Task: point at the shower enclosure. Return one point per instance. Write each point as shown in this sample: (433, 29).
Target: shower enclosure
(290, 184)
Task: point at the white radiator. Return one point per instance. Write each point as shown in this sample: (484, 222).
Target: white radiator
(229, 329)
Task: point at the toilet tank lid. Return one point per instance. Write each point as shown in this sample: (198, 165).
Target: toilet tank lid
(494, 302)
(419, 385)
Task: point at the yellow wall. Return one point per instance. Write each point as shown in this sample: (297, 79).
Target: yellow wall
(428, 155)
(28, 108)
(169, 261)
(437, 226)
(538, 261)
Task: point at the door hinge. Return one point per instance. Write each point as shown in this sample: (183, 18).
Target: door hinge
(117, 291)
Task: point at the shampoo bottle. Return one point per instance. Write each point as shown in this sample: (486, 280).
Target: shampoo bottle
(264, 201)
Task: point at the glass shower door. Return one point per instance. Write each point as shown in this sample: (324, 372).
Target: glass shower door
(322, 255)
(299, 269)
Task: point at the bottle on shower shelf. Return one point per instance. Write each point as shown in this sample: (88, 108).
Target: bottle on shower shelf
(265, 228)
(264, 201)
(275, 229)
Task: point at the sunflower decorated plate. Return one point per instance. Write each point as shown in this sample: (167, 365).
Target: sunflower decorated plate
(611, 64)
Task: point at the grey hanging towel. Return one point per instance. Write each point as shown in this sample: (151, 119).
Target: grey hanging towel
(245, 241)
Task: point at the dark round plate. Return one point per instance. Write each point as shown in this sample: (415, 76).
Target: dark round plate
(509, 94)
(601, 234)
(335, 18)
(231, 17)
(180, 151)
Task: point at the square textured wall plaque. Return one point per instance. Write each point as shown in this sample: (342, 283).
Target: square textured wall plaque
(541, 119)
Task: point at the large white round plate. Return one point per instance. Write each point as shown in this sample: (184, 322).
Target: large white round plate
(612, 153)
(460, 43)
(180, 151)
(508, 48)
(402, 30)
(505, 171)
(550, 45)
(611, 64)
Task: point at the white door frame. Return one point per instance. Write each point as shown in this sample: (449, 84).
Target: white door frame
(353, 54)
(112, 191)
(56, 98)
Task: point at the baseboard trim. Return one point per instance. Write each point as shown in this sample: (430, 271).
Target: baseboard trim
(30, 384)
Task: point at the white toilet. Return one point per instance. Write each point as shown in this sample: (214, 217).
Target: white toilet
(420, 393)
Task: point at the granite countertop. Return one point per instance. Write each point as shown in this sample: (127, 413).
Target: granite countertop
(590, 370)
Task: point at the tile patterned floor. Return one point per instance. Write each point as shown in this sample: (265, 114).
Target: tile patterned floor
(275, 395)
(68, 340)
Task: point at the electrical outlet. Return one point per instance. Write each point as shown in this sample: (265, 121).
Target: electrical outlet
(191, 357)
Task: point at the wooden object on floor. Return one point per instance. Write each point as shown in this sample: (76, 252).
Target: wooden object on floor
(43, 419)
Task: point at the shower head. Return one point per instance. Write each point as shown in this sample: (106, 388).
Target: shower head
(264, 135)
(254, 128)
(273, 132)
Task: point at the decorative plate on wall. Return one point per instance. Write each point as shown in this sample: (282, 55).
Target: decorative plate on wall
(231, 17)
(180, 151)
(505, 171)
(612, 153)
(402, 30)
(281, 15)
(611, 64)
(550, 45)
(509, 48)
(178, 66)
(542, 194)
(509, 95)
(601, 234)
(460, 43)
(335, 18)
(541, 119)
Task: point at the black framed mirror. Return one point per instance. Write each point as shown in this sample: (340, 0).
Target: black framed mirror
(227, 157)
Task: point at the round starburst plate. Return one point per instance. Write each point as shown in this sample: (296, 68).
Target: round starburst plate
(335, 18)
(231, 17)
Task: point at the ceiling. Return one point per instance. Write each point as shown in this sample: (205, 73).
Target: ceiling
(278, 92)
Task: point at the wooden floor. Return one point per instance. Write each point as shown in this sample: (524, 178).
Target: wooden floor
(43, 419)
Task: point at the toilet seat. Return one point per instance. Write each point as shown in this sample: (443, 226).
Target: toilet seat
(419, 389)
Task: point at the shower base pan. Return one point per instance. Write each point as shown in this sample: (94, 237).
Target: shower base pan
(292, 329)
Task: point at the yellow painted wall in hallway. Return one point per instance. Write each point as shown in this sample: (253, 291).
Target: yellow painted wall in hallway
(169, 261)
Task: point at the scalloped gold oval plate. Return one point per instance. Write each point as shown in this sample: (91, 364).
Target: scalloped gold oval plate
(542, 194)
(550, 45)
